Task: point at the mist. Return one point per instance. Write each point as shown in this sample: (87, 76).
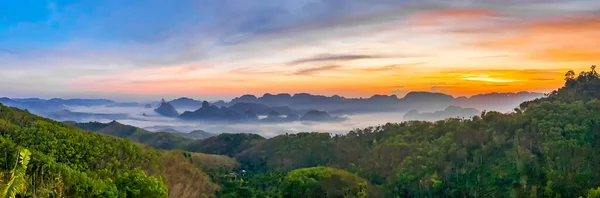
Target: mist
(150, 120)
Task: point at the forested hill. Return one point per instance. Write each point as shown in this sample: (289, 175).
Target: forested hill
(69, 162)
(548, 147)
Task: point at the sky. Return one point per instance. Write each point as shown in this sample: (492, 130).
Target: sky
(219, 49)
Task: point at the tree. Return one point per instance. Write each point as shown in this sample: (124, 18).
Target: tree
(323, 182)
(136, 184)
(594, 193)
(17, 183)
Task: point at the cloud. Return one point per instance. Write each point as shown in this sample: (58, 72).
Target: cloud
(392, 67)
(487, 78)
(326, 57)
(543, 79)
(563, 38)
(548, 31)
(314, 70)
(491, 57)
(249, 40)
(450, 16)
(257, 71)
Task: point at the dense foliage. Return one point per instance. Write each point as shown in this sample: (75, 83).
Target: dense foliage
(69, 162)
(224, 144)
(323, 182)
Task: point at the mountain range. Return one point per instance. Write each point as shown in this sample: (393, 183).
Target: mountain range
(249, 112)
(422, 101)
(289, 107)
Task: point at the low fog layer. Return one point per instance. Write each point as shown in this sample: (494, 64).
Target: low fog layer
(271, 115)
(154, 122)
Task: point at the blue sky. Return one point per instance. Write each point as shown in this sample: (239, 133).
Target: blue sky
(222, 48)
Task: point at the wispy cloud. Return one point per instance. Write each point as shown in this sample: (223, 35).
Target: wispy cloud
(329, 57)
(562, 38)
(388, 68)
(486, 78)
(314, 70)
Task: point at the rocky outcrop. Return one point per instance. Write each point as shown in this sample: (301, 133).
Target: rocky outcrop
(166, 109)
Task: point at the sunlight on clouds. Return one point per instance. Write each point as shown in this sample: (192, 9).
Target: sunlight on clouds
(486, 78)
(455, 51)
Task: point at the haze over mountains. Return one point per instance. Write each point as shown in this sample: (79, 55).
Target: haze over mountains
(424, 101)
(279, 113)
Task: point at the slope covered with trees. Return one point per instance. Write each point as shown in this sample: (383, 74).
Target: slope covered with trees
(69, 162)
(161, 140)
(222, 144)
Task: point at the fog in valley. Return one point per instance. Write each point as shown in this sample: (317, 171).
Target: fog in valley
(271, 115)
(155, 122)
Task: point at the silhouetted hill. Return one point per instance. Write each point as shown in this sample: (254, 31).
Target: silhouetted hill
(284, 110)
(275, 100)
(239, 112)
(8, 102)
(205, 112)
(186, 103)
(166, 109)
(73, 102)
(43, 107)
(422, 101)
(259, 109)
(125, 104)
(64, 114)
(245, 99)
(383, 99)
(503, 102)
(292, 117)
(319, 116)
(274, 116)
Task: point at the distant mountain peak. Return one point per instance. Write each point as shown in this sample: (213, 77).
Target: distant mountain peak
(184, 98)
(166, 109)
(185, 102)
(205, 104)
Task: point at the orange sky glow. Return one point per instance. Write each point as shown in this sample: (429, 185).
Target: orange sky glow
(461, 51)
(495, 53)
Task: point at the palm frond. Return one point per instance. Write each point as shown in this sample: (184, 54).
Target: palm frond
(17, 183)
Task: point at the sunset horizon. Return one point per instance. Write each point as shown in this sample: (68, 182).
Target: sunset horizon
(457, 48)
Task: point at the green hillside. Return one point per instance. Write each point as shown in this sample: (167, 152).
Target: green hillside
(70, 162)
(222, 144)
(160, 140)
